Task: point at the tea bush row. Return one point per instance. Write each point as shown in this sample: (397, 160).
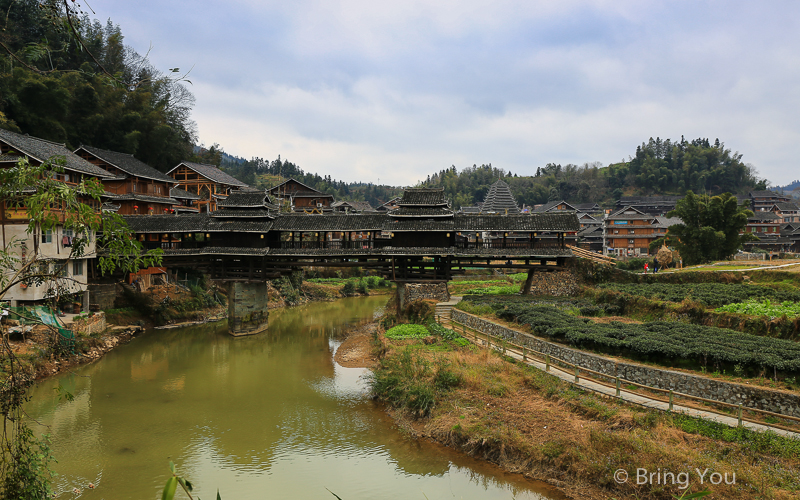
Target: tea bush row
(658, 339)
(709, 294)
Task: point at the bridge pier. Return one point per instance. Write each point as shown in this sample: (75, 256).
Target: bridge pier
(410, 291)
(247, 308)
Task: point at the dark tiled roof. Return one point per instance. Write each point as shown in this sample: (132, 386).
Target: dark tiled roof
(189, 223)
(621, 215)
(762, 215)
(283, 192)
(110, 207)
(244, 213)
(766, 194)
(786, 206)
(416, 225)
(551, 206)
(337, 222)
(356, 206)
(421, 212)
(564, 221)
(218, 251)
(648, 200)
(10, 158)
(146, 198)
(393, 201)
(500, 200)
(239, 199)
(586, 207)
(470, 210)
(182, 194)
(43, 150)
(212, 173)
(127, 163)
(423, 197)
(667, 221)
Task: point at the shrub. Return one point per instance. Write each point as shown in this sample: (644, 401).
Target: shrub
(349, 288)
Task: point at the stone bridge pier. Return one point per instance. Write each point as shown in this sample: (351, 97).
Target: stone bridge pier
(409, 291)
(248, 312)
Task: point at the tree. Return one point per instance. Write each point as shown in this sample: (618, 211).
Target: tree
(712, 227)
(47, 203)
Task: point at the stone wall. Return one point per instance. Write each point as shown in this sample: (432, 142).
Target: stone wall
(749, 396)
(95, 323)
(559, 283)
(104, 295)
(248, 305)
(409, 292)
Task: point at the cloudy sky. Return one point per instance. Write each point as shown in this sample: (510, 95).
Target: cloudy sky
(392, 91)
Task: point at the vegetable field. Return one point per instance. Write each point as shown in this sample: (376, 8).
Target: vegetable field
(763, 308)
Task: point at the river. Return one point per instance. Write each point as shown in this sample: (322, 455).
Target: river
(267, 416)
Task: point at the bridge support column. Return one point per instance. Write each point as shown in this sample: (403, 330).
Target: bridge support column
(526, 290)
(247, 308)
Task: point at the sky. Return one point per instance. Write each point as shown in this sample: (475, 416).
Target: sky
(392, 91)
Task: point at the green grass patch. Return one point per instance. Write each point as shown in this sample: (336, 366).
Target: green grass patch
(407, 331)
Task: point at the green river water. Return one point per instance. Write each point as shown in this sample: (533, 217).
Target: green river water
(267, 416)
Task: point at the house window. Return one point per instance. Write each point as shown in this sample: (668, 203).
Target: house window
(77, 268)
(134, 187)
(60, 268)
(630, 242)
(47, 236)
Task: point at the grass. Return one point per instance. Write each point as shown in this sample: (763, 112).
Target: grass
(532, 422)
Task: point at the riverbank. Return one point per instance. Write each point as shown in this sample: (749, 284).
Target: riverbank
(532, 423)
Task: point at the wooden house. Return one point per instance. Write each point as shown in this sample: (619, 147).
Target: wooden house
(206, 181)
(140, 188)
(301, 198)
(54, 247)
(423, 219)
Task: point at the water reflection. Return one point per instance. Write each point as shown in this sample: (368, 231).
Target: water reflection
(271, 415)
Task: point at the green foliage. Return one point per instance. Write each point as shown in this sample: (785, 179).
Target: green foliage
(447, 334)
(349, 288)
(407, 331)
(410, 381)
(711, 227)
(635, 264)
(709, 294)
(659, 340)
(763, 308)
(494, 290)
(64, 95)
(26, 475)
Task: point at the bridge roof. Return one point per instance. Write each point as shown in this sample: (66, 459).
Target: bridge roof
(333, 222)
(193, 223)
(532, 222)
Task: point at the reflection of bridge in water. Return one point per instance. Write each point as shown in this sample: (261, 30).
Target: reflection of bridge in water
(248, 241)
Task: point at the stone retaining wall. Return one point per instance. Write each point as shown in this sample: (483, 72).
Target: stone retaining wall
(409, 292)
(104, 295)
(749, 396)
(559, 284)
(95, 323)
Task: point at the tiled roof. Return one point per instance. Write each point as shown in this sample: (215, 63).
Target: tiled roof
(356, 206)
(182, 194)
(241, 199)
(423, 197)
(393, 201)
(786, 206)
(146, 198)
(620, 214)
(552, 206)
(416, 225)
(284, 192)
(648, 200)
(127, 163)
(110, 207)
(766, 194)
(333, 222)
(243, 213)
(217, 251)
(667, 221)
(9, 158)
(421, 212)
(564, 221)
(43, 150)
(212, 173)
(189, 223)
(500, 200)
(470, 210)
(763, 215)
(586, 207)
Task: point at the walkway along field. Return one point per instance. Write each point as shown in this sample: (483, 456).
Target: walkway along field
(621, 388)
(590, 445)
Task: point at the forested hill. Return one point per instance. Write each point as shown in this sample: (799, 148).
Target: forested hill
(657, 168)
(50, 88)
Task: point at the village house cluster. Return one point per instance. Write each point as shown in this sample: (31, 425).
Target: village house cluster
(197, 206)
